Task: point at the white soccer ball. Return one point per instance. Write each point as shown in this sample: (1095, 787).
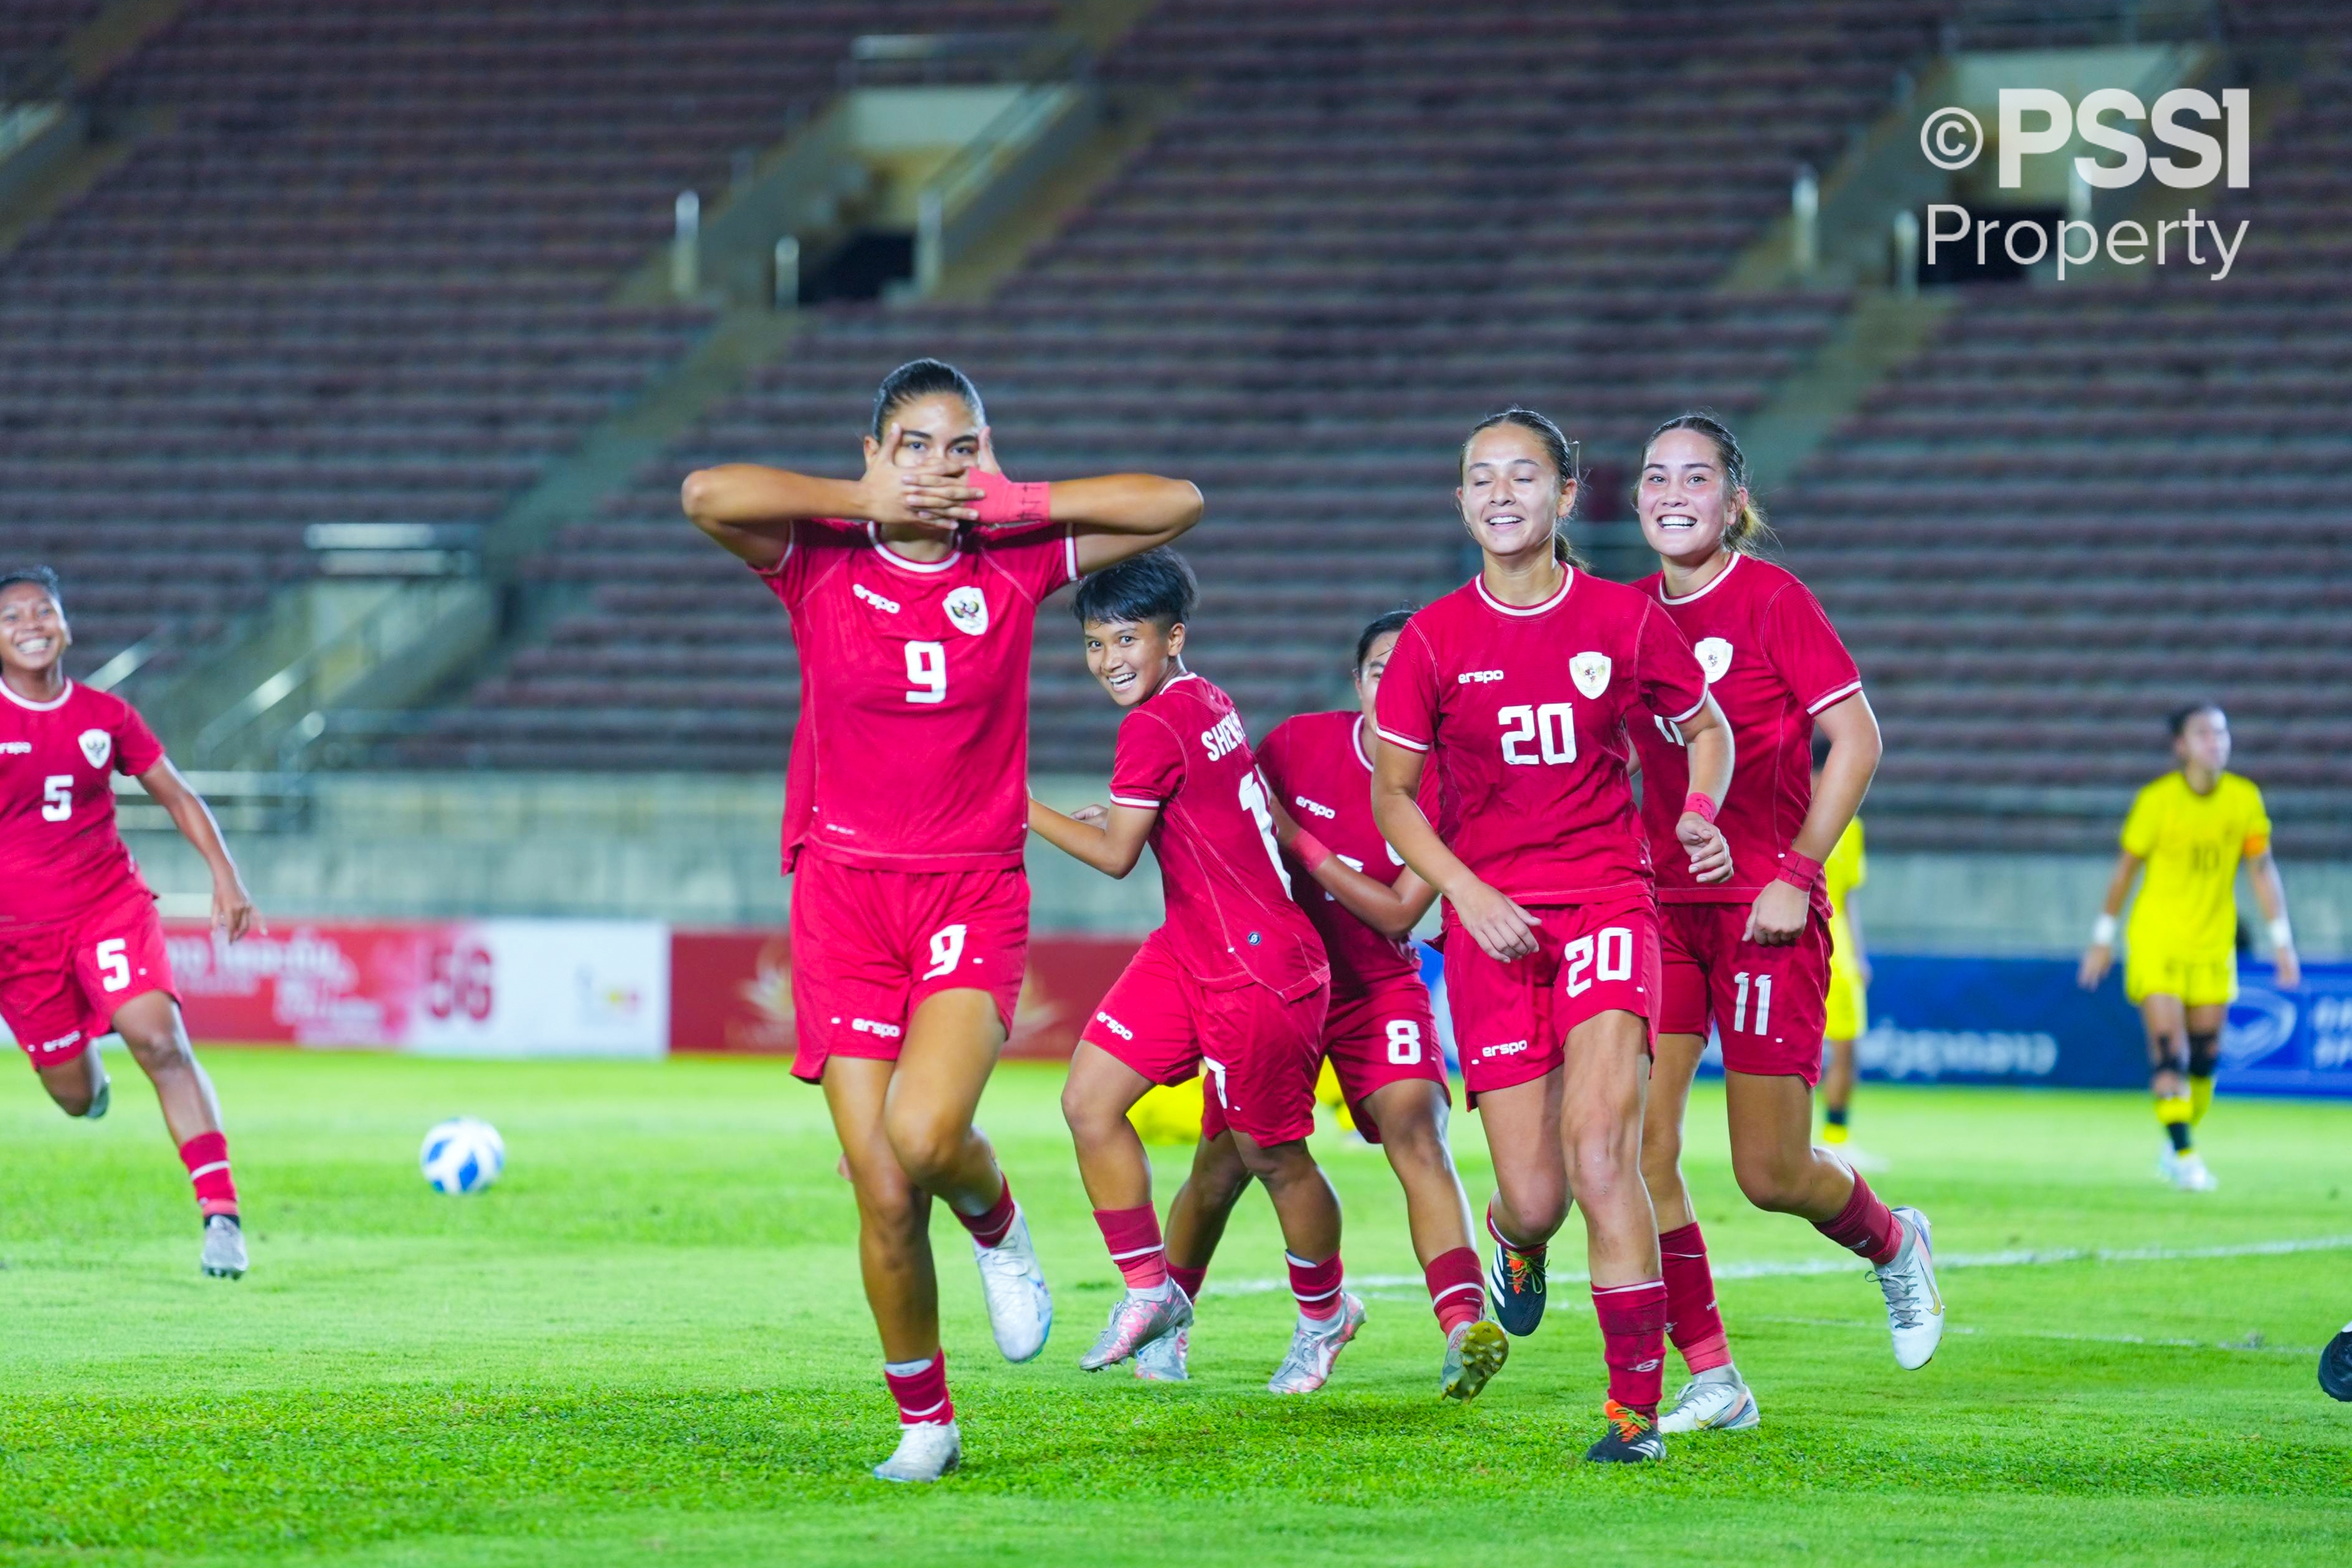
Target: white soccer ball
(464, 1153)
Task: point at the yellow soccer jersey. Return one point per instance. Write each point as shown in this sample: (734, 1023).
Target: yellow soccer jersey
(2192, 844)
(1844, 870)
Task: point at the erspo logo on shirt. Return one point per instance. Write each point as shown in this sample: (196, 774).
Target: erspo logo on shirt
(874, 599)
(1477, 677)
(15, 748)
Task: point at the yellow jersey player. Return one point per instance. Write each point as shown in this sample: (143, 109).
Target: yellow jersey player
(1848, 1010)
(2190, 829)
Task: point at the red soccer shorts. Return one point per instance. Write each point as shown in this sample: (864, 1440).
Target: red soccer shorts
(60, 986)
(1260, 1053)
(1511, 1022)
(1768, 1005)
(1382, 1037)
(868, 947)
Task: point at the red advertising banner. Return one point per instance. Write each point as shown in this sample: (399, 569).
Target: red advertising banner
(732, 991)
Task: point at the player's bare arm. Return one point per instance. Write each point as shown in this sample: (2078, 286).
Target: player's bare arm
(2270, 893)
(1500, 927)
(232, 911)
(1707, 737)
(1109, 839)
(2101, 954)
(1392, 909)
(749, 509)
(1780, 913)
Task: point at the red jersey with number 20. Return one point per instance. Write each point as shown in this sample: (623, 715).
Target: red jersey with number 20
(1524, 714)
(1773, 661)
(1318, 767)
(1231, 920)
(912, 752)
(59, 852)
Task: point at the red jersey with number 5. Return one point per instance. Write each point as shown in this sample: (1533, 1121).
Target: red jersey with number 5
(1230, 918)
(59, 852)
(1524, 713)
(1318, 767)
(912, 752)
(1773, 661)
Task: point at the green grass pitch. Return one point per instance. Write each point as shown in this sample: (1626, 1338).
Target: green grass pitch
(647, 1345)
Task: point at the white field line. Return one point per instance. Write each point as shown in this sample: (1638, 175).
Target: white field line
(1800, 1268)
(1880, 1327)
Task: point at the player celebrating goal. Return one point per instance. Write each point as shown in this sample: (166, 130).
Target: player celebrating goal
(1752, 953)
(1518, 689)
(2190, 829)
(1234, 984)
(913, 591)
(82, 953)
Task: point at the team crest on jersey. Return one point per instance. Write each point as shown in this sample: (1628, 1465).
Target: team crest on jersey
(1714, 657)
(1591, 672)
(968, 609)
(98, 746)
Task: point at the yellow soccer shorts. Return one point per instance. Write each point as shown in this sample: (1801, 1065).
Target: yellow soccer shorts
(2200, 979)
(1848, 1012)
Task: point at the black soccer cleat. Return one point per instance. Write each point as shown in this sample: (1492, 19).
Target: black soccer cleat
(2336, 1367)
(1515, 1287)
(1633, 1438)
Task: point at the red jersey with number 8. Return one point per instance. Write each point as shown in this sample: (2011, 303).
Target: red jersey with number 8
(1523, 711)
(1230, 918)
(912, 752)
(59, 853)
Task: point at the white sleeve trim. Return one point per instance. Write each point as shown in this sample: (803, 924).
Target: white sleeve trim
(1393, 738)
(1137, 801)
(792, 543)
(1681, 718)
(1070, 549)
(1837, 695)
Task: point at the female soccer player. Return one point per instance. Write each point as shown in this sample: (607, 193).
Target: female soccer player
(1380, 1038)
(1234, 984)
(2190, 829)
(82, 953)
(1517, 689)
(1750, 953)
(912, 595)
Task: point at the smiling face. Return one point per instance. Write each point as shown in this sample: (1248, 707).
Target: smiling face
(33, 632)
(1132, 659)
(938, 432)
(1369, 673)
(1684, 502)
(2203, 742)
(1512, 495)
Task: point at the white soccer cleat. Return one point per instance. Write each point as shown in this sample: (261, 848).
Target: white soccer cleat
(926, 1450)
(224, 1253)
(1162, 1361)
(2187, 1171)
(1020, 1307)
(1308, 1367)
(1915, 1308)
(1137, 1319)
(1716, 1400)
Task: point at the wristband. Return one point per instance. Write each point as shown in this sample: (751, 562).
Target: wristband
(1311, 850)
(1800, 872)
(1699, 803)
(1002, 501)
(2282, 933)
(2103, 931)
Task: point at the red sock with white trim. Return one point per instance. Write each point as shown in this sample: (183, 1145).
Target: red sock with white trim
(1633, 1342)
(1865, 1226)
(206, 1158)
(1133, 1236)
(1316, 1288)
(988, 1227)
(1189, 1280)
(1457, 1290)
(1691, 1315)
(920, 1387)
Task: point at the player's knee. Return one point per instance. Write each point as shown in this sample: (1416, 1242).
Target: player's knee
(158, 1048)
(73, 1099)
(1661, 1152)
(1771, 1181)
(2204, 1054)
(1414, 1144)
(1533, 1212)
(1090, 1117)
(928, 1148)
(1276, 1164)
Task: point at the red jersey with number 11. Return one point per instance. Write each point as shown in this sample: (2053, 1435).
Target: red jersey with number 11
(59, 852)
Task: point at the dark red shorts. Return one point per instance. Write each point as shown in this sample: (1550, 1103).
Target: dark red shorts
(1511, 1022)
(1259, 1052)
(60, 986)
(868, 947)
(1384, 1036)
(1768, 1005)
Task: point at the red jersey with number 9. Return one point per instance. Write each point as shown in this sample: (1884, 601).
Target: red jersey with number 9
(59, 852)
(1523, 712)
(1230, 918)
(912, 752)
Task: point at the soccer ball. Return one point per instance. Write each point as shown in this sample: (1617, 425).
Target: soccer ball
(464, 1153)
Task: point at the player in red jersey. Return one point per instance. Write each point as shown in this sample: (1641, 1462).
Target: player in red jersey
(913, 592)
(1380, 1035)
(82, 953)
(1234, 984)
(1751, 953)
(1517, 690)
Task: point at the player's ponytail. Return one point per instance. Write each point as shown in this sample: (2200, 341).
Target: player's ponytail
(1746, 533)
(1558, 449)
(920, 379)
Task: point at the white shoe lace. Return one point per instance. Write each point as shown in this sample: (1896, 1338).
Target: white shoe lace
(1903, 1305)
